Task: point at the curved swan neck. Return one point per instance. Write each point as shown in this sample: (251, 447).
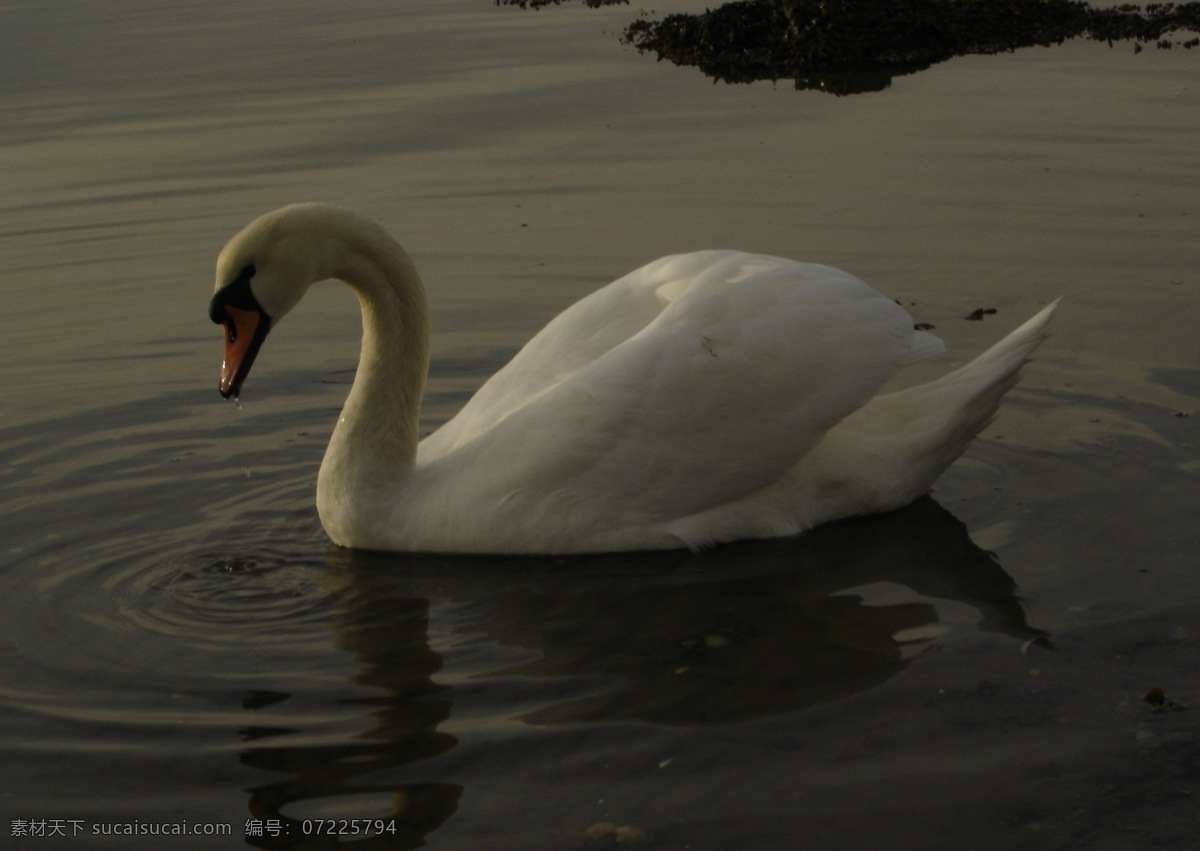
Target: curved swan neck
(394, 363)
(375, 441)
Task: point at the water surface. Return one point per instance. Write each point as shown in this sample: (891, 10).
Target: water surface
(183, 644)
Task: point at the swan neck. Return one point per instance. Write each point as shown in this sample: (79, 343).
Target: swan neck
(376, 437)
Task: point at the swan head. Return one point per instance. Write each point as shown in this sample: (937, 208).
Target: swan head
(262, 273)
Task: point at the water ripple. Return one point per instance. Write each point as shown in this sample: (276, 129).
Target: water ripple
(211, 600)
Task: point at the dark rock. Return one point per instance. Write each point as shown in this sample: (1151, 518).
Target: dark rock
(846, 46)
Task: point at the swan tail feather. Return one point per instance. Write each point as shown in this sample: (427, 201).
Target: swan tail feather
(1003, 360)
(890, 451)
(958, 406)
(968, 399)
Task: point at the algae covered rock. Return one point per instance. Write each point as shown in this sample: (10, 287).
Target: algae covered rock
(847, 46)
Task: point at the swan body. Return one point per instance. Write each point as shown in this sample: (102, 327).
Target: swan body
(703, 398)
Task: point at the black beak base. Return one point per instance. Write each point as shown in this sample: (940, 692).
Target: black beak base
(246, 326)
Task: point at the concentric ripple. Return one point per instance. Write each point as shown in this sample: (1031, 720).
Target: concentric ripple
(267, 597)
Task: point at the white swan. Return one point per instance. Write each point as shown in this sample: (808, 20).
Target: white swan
(703, 398)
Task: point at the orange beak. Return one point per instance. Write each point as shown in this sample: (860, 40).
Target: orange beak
(244, 333)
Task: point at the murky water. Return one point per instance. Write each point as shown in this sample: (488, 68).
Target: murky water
(182, 645)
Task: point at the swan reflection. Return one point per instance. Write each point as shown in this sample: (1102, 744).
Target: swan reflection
(726, 636)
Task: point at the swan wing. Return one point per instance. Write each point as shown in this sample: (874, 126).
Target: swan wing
(575, 338)
(695, 380)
